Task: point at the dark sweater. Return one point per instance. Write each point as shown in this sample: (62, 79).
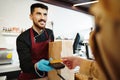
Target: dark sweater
(24, 46)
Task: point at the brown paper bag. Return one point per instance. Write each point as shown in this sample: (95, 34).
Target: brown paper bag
(57, 50)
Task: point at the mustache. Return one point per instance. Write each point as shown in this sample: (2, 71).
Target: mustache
(42, 20)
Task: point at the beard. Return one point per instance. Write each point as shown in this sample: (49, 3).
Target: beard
(38, 25)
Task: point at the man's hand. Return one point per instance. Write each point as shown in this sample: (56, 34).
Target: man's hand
(43, 65)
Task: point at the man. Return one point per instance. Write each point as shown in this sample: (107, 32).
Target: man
(32, 46)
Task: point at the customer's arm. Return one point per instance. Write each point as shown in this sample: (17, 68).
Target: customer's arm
(87, 67)
(91, 69)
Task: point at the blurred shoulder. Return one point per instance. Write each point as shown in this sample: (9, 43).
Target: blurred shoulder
(49, 30)
(24, 34)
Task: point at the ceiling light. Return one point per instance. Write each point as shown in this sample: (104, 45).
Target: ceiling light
(85, 3)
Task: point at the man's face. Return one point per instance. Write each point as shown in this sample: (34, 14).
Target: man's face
(39, 17)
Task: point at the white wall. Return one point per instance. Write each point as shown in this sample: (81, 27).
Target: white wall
(15, 13)
(66, 21)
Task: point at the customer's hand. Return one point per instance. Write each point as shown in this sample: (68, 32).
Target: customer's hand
(72, 61)
(43, 65)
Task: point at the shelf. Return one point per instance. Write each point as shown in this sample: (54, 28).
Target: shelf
(10, 34)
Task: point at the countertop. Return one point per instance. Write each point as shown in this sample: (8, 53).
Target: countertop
(9, 67)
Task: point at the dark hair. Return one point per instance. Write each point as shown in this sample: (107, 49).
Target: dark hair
(37, 5)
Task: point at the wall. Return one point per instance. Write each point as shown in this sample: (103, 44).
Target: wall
(15, 13)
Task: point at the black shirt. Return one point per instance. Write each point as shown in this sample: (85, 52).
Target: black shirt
(24, 46)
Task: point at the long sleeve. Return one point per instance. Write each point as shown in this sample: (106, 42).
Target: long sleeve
(90, 69)
(23, 49)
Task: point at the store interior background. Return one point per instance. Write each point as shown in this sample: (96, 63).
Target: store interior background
(66, 22)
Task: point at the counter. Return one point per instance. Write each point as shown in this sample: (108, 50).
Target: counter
(9, 67)
(10, 71)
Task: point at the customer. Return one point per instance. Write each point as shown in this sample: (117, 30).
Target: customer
(104, 42)
(32, 46)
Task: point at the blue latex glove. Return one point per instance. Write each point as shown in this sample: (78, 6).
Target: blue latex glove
(43, 65)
